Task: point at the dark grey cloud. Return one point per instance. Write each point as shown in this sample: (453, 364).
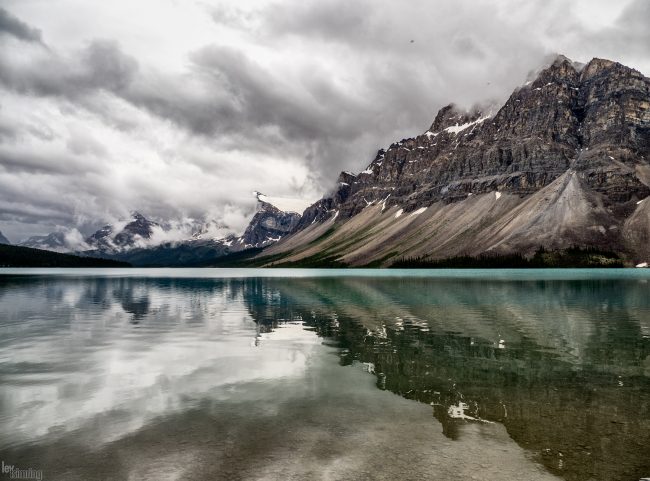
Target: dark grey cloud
(105, 66)
(51, 163)
(259, 97)
(630, 32)
(101, 65)
(634, 18)
(11, 25)
(333, 21)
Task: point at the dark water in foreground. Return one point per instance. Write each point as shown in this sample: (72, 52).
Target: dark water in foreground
(311, 374)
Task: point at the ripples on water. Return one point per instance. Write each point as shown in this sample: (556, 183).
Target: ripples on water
(134, 376)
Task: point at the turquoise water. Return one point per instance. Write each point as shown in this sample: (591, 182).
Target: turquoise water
(325, 374)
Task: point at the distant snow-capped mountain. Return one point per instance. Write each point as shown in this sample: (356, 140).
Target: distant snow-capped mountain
(141, 241)
(54, 241)
(124, 236)
(268, 225)
(4, 240)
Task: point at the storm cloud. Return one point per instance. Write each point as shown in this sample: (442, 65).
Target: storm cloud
(188, 107)
(10, 25)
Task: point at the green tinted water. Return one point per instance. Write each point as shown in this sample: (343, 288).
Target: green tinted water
(321, 374)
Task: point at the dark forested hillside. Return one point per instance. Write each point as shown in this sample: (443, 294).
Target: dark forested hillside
(14, 256)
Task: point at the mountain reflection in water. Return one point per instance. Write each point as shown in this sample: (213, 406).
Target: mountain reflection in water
(563, 365)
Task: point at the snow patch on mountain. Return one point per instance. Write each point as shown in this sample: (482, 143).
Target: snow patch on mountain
(455, 129)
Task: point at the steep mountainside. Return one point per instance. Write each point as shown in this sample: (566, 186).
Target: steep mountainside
(564, 162)
(4, 240)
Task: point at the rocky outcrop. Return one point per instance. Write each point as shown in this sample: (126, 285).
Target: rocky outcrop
(586, 129)
(269, 225)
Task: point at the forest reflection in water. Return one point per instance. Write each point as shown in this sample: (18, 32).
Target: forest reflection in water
(563, 365)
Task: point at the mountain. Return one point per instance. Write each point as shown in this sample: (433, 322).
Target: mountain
(564, 162)
(52, 242)
(134, 233)
(17, 256)
(109, 239)
(268, 225)
(133, 240)
(4, 240)
(175, 254)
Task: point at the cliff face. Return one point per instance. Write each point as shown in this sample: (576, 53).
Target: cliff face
(596, 121)
(269, 225)
(564, 161)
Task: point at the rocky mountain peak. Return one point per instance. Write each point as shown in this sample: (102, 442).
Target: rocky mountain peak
(140, 225)
(138, 228)
(451, 115)
(346, 177)
(561, 71)
(4, 240)
(596, 66)
(263, 204)
(269, 224)
(137, 217)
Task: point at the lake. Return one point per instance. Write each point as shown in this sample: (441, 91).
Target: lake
(252, 374)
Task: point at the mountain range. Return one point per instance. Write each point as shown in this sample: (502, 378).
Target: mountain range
(563, 164)
(132, 240)
(269, 225)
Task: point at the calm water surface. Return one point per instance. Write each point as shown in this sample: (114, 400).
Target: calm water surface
(247, 374)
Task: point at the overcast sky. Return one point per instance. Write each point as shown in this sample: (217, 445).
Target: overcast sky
(180, 109)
